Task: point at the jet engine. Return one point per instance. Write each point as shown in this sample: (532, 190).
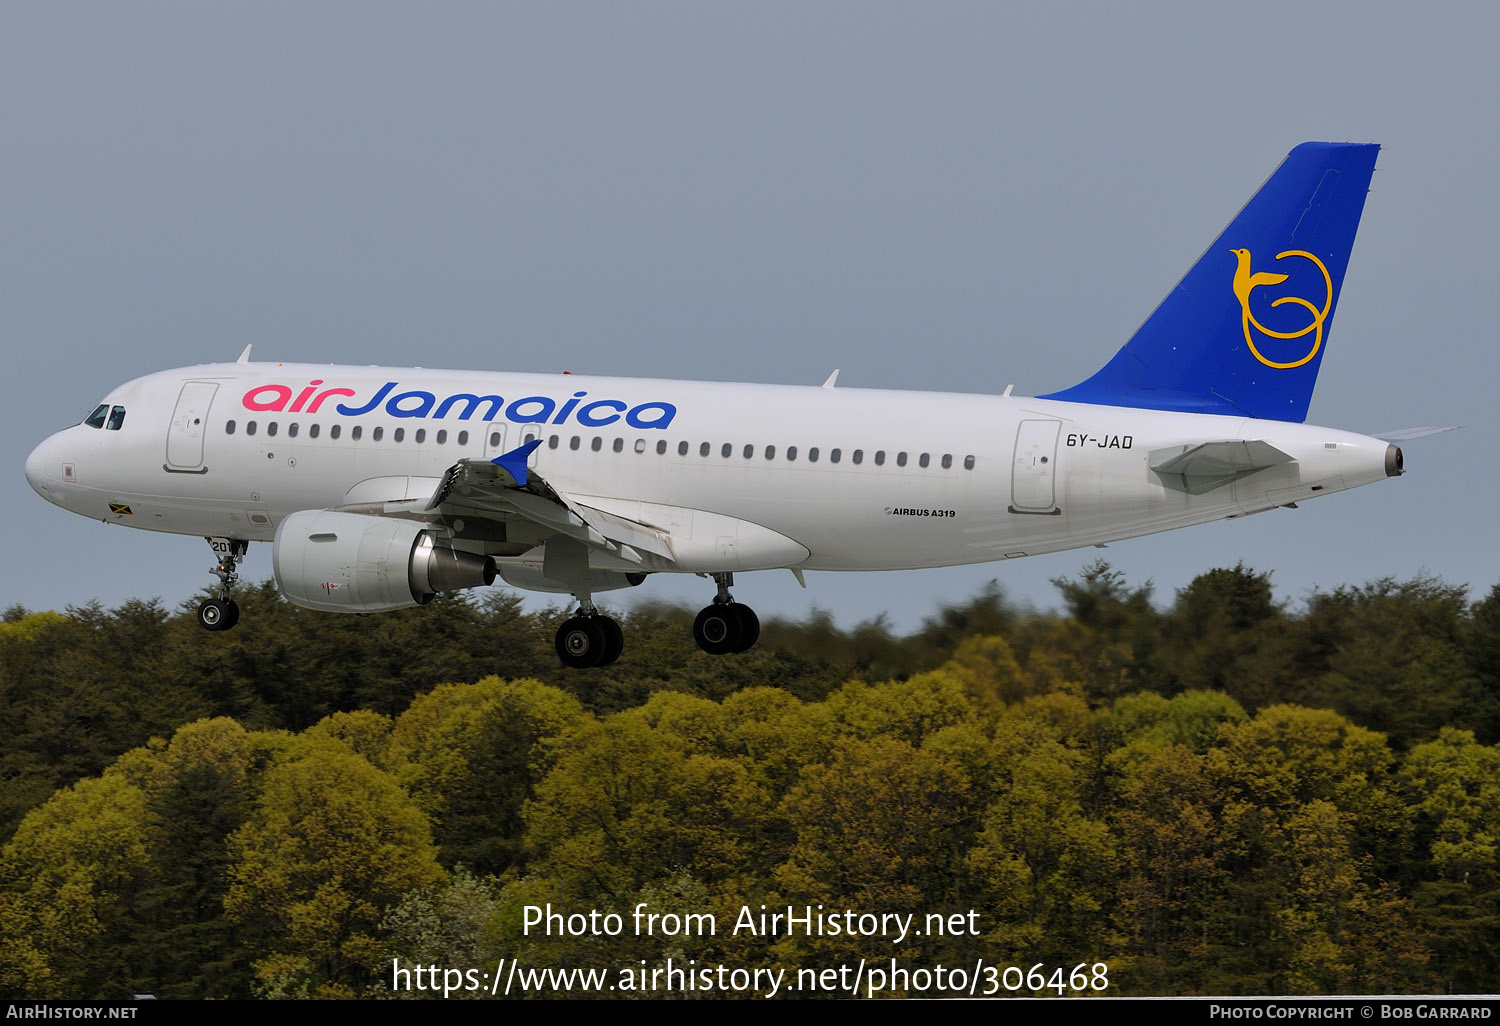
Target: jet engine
(353, 563)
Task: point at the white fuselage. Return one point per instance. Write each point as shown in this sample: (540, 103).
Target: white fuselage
(861, 479)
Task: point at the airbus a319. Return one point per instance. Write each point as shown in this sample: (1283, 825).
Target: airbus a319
(380, 488)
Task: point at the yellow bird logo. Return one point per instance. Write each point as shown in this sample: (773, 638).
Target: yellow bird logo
(1245, 282)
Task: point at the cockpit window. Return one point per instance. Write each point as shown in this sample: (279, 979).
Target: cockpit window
(116, 419)
(96, 419)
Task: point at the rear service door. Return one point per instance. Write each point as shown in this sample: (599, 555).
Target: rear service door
(1033, 476)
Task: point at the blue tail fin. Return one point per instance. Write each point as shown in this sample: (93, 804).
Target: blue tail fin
(1245, 330)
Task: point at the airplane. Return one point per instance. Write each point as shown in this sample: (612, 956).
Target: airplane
(380, 488)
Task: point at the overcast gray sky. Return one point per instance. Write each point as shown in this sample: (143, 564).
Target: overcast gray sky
(947, 196)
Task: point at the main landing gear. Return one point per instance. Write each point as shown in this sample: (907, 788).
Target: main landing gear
(589, 638)
(222, 613)
(724, 625)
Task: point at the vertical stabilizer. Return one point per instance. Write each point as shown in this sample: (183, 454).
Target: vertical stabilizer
(1245, 330)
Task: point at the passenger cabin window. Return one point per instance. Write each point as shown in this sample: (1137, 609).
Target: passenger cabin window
(291, 430)
(398, 434)
(355, 432)
(463, 438)
(271, 429)
(229, 427)
(249, 427)
(96, 419)
(968, 463)
(597, 443)
(312, 431)
(334, 431)
(442, 438)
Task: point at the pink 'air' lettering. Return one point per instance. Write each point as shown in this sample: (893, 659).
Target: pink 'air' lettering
(312, 386)
(280, 395)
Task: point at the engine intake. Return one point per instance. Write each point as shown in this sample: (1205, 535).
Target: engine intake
(353, 563)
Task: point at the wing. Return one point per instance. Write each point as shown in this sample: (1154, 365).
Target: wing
(506, 489)
(516, 513)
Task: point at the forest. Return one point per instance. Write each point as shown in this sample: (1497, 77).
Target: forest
(1211, 792)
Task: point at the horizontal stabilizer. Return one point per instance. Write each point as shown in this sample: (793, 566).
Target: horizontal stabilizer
(1407, 434)
(1209, 465)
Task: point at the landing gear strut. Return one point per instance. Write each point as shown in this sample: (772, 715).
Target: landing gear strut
(589, 638)
(724, 625)
(222, 613)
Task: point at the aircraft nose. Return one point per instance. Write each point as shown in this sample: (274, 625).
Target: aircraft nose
(36, 468)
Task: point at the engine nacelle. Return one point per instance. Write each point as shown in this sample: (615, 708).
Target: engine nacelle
(353, 563)
(520, 575)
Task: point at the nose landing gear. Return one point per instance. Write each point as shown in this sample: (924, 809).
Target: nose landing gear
(222, 613)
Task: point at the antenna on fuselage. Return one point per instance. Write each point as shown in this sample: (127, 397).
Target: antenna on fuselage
(245, 356)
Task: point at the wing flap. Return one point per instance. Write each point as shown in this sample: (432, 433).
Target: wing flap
(636, 535)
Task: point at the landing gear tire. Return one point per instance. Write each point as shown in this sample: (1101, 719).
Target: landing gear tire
(581, 642)
(614, 640)
(718, 628)
(218, 614)
(749, 626)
